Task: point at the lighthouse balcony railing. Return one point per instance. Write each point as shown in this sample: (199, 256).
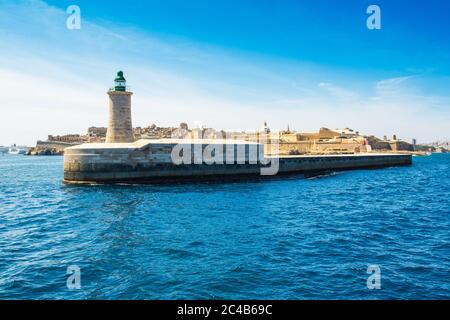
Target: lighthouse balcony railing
(120, 88)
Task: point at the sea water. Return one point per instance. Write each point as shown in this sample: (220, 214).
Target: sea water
(287, 238)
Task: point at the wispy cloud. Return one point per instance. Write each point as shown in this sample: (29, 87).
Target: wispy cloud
(339, 92)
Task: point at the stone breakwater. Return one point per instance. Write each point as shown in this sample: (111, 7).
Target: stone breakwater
(49, 148)
(166, 160)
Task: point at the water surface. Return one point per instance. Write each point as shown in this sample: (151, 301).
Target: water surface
(289, 238)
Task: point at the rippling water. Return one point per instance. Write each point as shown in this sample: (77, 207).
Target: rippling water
(281, 239)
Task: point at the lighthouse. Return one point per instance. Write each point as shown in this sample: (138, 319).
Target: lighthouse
(120, 129)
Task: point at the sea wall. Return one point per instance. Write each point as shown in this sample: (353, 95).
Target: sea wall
(145, 161)
(50, 148)
(341, 162)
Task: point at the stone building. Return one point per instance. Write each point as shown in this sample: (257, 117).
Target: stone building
(386, 145)
(68, 138)
(96, 134)
(324, 141)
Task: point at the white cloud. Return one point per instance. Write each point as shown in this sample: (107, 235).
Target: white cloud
(54, 81)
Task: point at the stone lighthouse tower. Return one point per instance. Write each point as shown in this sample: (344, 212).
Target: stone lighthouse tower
(120, 128)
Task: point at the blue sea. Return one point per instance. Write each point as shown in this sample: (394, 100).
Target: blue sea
(290, 238)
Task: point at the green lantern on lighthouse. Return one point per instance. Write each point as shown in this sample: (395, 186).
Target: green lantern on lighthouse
(120, 84)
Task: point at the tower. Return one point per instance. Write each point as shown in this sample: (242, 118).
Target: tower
(120, 128)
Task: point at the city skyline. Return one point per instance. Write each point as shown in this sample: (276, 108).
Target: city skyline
(306, 65)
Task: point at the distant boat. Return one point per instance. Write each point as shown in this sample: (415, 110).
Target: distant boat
(16, 150)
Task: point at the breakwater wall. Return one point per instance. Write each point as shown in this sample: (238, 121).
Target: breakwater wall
(153, 161)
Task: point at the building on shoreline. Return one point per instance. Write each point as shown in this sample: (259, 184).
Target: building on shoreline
(288, 142)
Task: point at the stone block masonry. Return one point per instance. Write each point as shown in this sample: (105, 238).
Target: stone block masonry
(120, 129)
(149, 161)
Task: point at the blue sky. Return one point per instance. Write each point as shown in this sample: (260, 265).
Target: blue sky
(228, 64)
(416, 34)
